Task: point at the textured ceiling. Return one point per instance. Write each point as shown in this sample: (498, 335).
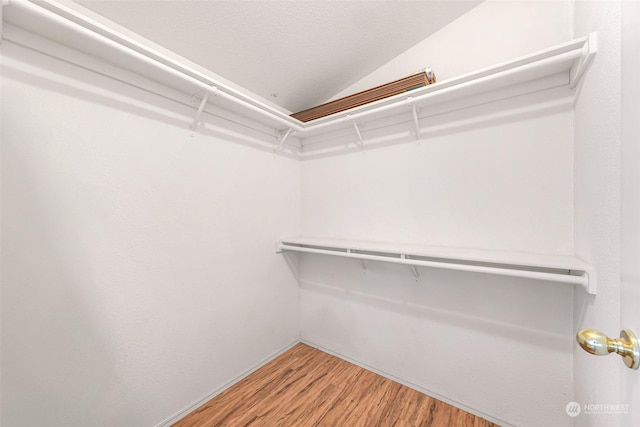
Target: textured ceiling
(295, 53)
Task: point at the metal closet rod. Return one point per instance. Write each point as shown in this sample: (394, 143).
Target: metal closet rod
(502, 271)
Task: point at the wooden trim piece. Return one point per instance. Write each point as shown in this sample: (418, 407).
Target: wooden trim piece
(366, 96)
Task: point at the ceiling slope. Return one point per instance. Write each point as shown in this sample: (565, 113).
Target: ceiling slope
(295, 53)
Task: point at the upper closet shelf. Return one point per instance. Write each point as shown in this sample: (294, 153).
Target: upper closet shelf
(556, 268)
(566, 62)
(67, 26)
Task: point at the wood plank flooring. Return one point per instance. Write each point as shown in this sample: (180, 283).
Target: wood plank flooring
(307, 387)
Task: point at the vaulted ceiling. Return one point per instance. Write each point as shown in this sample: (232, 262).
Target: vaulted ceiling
(295, 53)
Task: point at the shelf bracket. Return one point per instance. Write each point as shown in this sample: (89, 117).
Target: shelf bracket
(361, 141)
(590, 286)
(581, 65)
(362, 263)
(196, 119)
(416, 125)
(282, 139)
(414, 269)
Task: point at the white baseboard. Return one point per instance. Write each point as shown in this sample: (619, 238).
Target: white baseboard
(186, 411)
(408, 384)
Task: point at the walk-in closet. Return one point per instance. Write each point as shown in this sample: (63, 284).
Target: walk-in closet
(320, 213)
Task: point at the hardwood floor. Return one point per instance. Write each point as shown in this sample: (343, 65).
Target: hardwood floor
(307, 387)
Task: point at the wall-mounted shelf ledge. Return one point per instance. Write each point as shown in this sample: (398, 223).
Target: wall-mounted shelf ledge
(66, 26)
(555, 268)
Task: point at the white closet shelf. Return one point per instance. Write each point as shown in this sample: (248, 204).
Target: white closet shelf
(567, 62)
(556, 268)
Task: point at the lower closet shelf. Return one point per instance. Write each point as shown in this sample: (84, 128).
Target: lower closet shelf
(555, 268)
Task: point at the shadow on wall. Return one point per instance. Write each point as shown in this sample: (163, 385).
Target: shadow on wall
(56, 354)
(518, 309)
(439, 120)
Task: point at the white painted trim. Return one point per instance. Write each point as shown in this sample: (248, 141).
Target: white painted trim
(408, 383)
(195, 405)
(186, 411)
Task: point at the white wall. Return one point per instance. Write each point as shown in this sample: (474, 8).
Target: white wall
(478, 182)
(476, 340)
(498, 176)
(139, 271)
(597, 204)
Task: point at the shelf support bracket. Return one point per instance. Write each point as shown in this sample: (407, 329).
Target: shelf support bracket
(582, 64)
(362, 263)
(414, 269)
(196, 119)
(361, 141)
(590, 286)
(282, 139)
(416, 125)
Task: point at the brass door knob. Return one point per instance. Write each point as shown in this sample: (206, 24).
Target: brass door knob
(597, 343)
